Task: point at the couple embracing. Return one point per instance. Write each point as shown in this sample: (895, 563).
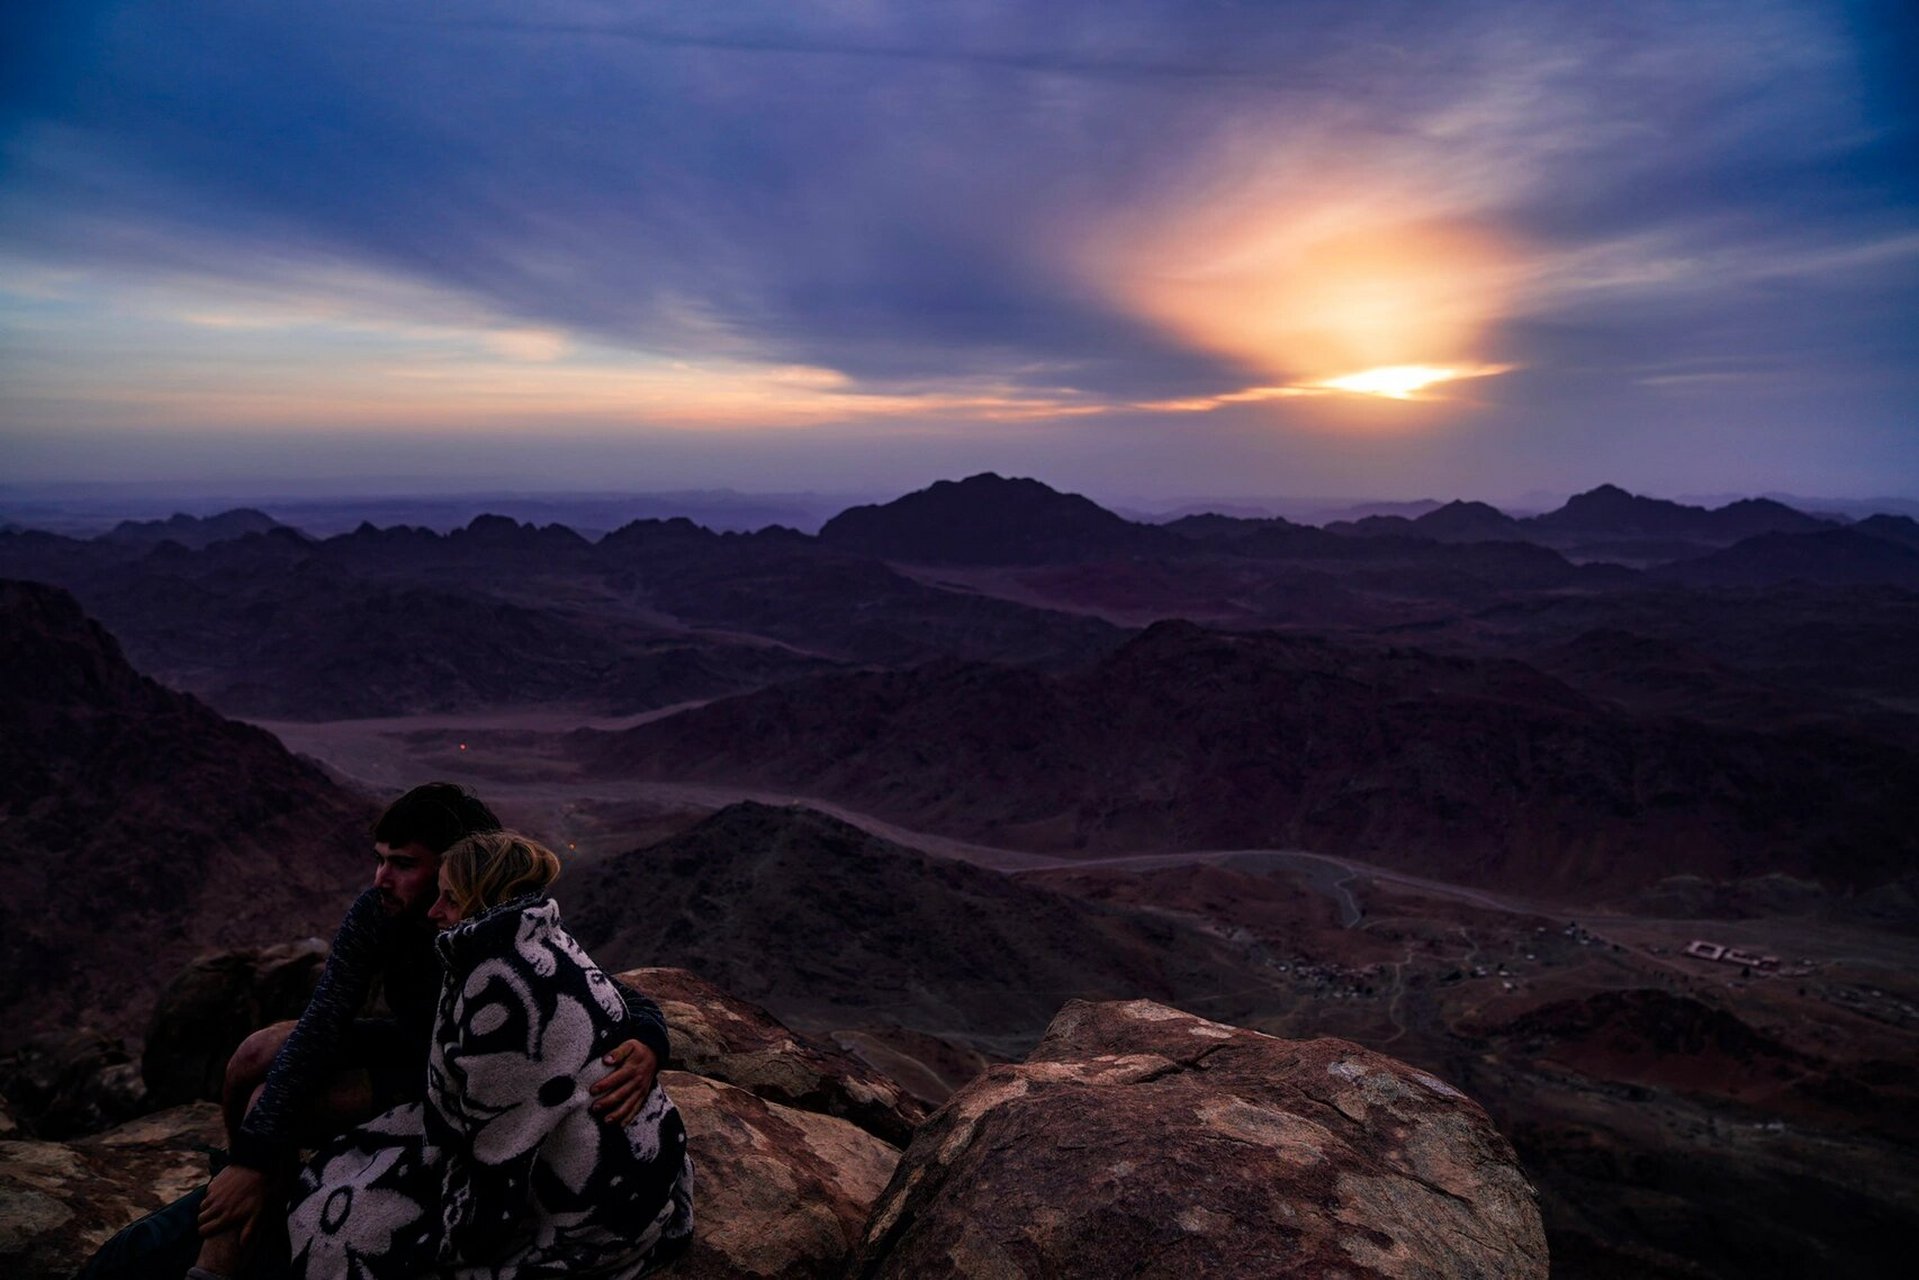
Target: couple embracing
(505, 1120)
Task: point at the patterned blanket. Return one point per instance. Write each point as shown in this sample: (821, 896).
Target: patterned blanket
(504, 1173)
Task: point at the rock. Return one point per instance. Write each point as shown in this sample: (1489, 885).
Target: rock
(61, 1201)
(929, 1068)
(213, 1004)
(61, 1084)
(1138, 1140)
(723, 1038)
(778, 1192)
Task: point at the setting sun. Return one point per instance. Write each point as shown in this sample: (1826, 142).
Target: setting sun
(1348, 285)
(1406, 381)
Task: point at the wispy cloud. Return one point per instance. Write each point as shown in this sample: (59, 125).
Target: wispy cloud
(1076, 210)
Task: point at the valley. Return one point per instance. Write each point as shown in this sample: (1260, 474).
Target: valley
(1626, 1069)
(1624, 849)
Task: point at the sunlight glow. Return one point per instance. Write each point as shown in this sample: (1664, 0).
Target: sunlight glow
(1329, 281)
(345, 354)
(1406, 381)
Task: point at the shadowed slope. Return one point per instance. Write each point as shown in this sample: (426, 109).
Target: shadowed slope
(1467, 769)
(829, 926)
(140, 826)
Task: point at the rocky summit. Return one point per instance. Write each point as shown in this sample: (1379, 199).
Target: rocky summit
(725, 1038)
(1135, 1140)
(1138, 1140)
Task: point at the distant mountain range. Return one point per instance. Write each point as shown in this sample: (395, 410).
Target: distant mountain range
(193, 531)
(264, 621)
(988, 519)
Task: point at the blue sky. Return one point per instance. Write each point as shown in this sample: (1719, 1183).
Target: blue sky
(1465, 249)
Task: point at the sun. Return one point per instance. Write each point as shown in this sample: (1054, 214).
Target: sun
(1405, 381)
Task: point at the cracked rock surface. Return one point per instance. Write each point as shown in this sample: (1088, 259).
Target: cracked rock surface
(778, 1192)
(1142, 1141)
(722, 1037)
(60, 1201)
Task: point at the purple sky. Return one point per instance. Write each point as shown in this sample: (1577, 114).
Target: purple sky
(1156, 249)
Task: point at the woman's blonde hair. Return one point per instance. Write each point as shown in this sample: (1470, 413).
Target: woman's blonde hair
(492, 867)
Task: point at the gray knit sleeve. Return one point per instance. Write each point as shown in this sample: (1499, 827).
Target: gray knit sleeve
(310, 1055)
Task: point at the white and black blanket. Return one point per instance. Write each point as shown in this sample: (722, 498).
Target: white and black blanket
(504, 1173)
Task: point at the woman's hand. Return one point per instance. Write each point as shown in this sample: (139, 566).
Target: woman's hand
(234, 1200)
(619, 1095)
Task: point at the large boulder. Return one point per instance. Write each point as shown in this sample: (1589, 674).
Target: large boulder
(778, 1192)
(60, 1201)
(724, 1038)
(213, 1004)
(61, 1084)
(1138, 1140)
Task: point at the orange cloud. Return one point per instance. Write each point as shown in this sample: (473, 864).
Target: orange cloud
(1319, 282)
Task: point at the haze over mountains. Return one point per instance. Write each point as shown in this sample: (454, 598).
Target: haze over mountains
(987, 569)
(1457, 784)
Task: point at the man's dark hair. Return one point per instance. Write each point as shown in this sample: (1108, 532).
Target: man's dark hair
(436, 814)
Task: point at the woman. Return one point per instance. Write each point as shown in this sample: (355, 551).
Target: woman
(505, 1171)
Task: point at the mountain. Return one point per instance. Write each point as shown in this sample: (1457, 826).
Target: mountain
(1610, 512)
(193, 531)
(1211, 526)
(1901, 529)
(1749, 517)
(382, 622)
(1472, 770)
(1467, 522)
(832, 927)
(142, 827)
(985, 519)
(1657, 676)
(822, 601)
(1604, 524)
(1829, 557)
(1453, 522)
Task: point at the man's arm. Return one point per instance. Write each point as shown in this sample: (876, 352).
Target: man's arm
(301, 1069)
(265, 1137)
(636, 1061)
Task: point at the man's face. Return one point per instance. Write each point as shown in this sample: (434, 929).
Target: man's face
(407, 878)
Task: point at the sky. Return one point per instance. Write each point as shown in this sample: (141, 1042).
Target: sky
(1154, 248)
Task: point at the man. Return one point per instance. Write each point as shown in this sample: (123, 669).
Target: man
(292, 1082)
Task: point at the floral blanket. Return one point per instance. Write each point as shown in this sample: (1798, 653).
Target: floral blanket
(504, 1173)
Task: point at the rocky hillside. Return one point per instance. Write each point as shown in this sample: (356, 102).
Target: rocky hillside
(1137, 1140)
(382, 622)
(140, 827)
(1471, 770)
(835, 928)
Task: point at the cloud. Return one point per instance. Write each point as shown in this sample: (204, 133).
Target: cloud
(1068, 209)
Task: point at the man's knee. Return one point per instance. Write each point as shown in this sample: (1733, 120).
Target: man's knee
(247, 1068)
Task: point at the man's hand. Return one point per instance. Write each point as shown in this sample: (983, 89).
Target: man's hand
(618, 1097)
(234, 1200)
